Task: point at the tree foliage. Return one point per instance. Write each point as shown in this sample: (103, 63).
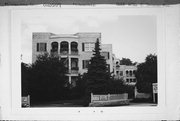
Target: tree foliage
(126, 61)
(98, 74)
(24, 79)
(146, 74)
(47, 78)
(118, 87)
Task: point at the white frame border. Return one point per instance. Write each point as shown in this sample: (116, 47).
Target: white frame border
(14, 109)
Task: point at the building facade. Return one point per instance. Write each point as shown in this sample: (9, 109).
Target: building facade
(126, 73)
(75, 49)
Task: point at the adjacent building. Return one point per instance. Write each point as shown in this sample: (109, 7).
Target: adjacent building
(125, 72)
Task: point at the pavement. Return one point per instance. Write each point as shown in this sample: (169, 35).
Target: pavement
(72, 105)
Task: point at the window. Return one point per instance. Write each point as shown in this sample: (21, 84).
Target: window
(54, 46)
(74, 46)
(85, 64)
(105, 54)
(130, 73)
(41, 47)
(121, 73)
(88, 46)
(74, 64)
(65, 61)
(64, 47)
(127, 73)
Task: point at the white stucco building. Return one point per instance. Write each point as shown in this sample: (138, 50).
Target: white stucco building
(75, 49)
(127, 73)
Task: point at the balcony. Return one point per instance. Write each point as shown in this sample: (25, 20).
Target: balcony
(64, 51)
(74, 52)
(73, 70)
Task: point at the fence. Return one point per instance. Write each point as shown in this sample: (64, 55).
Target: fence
(108, 97)
(141, 95)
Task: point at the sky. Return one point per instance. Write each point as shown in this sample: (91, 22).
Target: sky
(131, 36)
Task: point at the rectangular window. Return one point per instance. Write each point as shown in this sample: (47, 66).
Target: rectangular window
(89, 46)
(85, 64)
(105, 54)
(41, 47)
(82, 46)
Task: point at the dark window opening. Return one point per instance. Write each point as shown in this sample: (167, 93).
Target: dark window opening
(74, 64)
(64, 47)
(85, 64)
(74, 48)
(41, 47)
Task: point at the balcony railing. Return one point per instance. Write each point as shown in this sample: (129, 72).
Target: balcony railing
(73, 70)
(74, 52)
(54, 53)
(64, 51)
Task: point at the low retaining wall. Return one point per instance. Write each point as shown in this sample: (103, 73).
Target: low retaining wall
(143, 95)
(109, 100)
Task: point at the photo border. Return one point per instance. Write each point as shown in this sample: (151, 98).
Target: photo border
(157, 112)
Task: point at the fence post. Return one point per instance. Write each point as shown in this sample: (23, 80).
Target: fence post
(108, 97)
(91, 97)
(29, 100)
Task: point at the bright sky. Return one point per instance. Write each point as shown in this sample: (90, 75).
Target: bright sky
(131, 37)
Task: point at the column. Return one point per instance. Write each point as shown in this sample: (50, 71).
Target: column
(69, 43)
(69, 52)
(69, 63)
(70, 79)
(59, 48)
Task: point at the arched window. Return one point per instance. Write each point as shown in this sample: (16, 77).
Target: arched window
(74, 47)
(130, 72)
(134, 72)
(64, 47)
(54, 47)
(127, 72)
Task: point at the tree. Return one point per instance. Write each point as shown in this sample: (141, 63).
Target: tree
(78, 91)
(98, 74)
(146, 74)
(47, 78)
(125, 61)
(24, 79)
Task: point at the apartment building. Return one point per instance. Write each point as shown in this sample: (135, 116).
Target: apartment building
(75, 49)
(125, 72)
